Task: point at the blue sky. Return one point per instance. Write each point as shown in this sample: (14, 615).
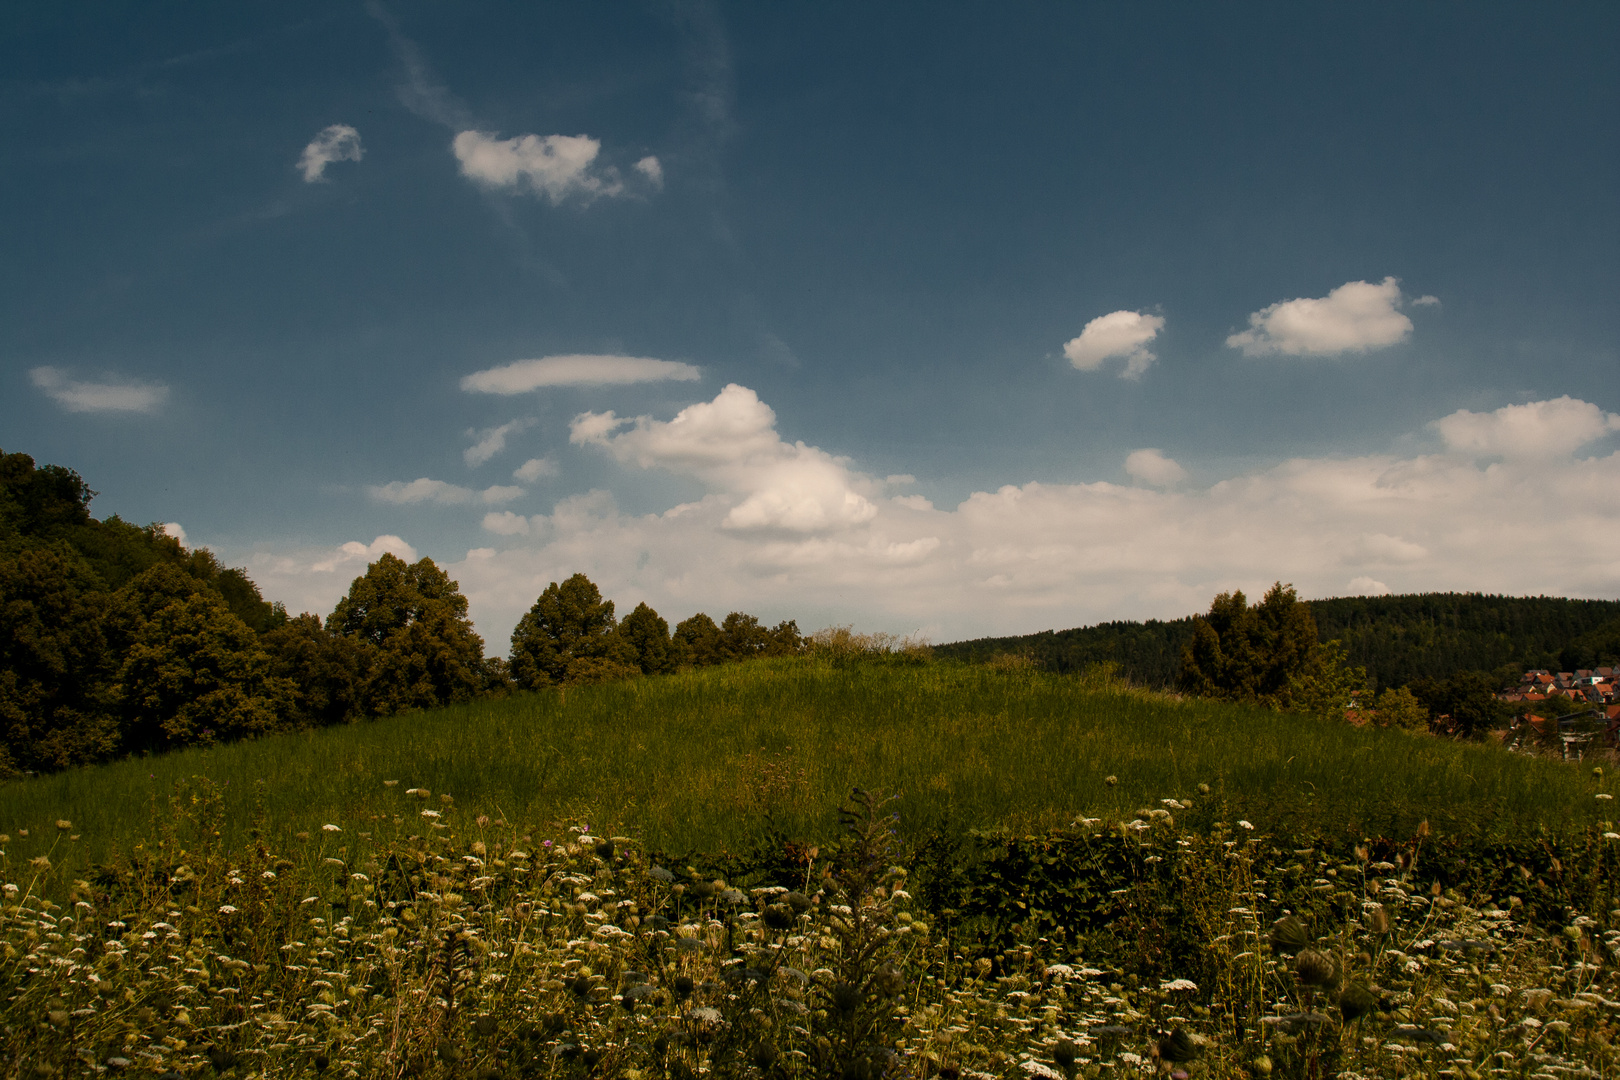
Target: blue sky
(957, 319)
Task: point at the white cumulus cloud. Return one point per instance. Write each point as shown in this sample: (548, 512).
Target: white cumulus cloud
(491, 441)
(559, 167)
(1355, 317)
(506, 523)
(425, 490)
(108, 396)
(1118, 334)
(650, 167)
(534, 469)
(1152, 467)
(1366, 586)
(731, 443)
(522, 376)
(1540, 429)
(336, 142)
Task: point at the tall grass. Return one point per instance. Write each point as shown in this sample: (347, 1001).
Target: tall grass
(707, 760)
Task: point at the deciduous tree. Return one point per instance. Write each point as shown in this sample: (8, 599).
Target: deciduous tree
(698, 641)
(1397, 707)
(569, 636)
(56, 669)
(422, 650)
(192, 671)
(647, 634)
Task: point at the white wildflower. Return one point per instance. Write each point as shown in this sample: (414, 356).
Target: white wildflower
(1246, 825)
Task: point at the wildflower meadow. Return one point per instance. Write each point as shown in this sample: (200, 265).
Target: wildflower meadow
(861, 869)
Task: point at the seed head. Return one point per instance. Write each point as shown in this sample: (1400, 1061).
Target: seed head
(1289, 935)
(1356, 1001)
(1315, 968)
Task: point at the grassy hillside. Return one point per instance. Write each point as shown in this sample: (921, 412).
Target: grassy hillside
(1396, 638)
(697, 761)
(279, 909)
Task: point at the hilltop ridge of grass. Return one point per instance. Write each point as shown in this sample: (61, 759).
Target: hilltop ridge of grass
(709, 759)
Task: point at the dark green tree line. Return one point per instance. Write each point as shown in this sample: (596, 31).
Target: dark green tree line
(115, 639)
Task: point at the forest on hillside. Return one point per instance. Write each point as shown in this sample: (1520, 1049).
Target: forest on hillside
(117, 640)
(1398, 640)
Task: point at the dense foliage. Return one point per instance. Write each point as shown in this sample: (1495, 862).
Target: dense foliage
(115, 639)
(1397, 639)
(1448, 653)
(1254, 654)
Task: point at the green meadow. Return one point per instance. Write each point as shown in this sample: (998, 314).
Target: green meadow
(710, 759)
(511, 889)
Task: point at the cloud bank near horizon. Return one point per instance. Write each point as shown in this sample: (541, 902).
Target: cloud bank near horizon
(787, 529)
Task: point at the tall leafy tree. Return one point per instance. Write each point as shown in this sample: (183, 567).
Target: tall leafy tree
(326, 668)
(569, 636)
(647, 634)
(1253, 654)
(697, 641)
(418, 645)
(191, 670)
(56, 669)
(741, 637)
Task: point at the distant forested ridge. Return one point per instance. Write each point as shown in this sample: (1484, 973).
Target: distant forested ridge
(1398, 639)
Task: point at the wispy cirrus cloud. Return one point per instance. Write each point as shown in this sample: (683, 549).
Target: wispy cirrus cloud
(522, 376)
(337, 142)
(111, 395)
(491, 441)
(1358, 316)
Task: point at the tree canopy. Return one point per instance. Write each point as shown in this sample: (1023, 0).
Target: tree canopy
(115, 638)
(417, 644)
(1251, 654)
(570, 636)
